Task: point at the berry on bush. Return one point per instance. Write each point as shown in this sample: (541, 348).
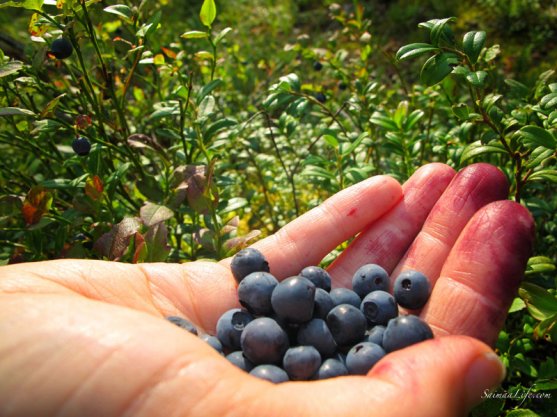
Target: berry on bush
(317, 66)
(61, 48)
(81, 146)
(247, 261)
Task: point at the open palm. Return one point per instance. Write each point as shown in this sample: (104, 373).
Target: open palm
(87, 338)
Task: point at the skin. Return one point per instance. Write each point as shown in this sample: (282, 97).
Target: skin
(88, 338)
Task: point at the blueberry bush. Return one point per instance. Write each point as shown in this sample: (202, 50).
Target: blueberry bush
(158, 131)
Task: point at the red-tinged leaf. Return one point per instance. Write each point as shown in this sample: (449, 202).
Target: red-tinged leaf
(140, 251)
(169, 52)
(94, 188)
(36, 204)
(36, 29)
(196, 193)
(157, 243)
(152, 214)
(113, 245)
(83, 121)
(241, 241)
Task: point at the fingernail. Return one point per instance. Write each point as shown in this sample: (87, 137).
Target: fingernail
(484, 374)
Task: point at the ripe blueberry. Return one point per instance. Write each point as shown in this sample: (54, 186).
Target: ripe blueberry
(405, 331)
(255, 292)
(293, 299)
(368, 278)
(301, 362)
(323, 303)
(412, 289)
(362, 357)
(318, 276)
(331, 368)
(345, 296)
(247, 261)
(230, 327)
(321, 97)
(237, 358)
(264, 341)
(81, 146)
(317, 66)
(61, 48)
(270, 373)
(316, 333)
(183, 323)
(379, 307)
(347, 324)
(213, 341)
(375, 335)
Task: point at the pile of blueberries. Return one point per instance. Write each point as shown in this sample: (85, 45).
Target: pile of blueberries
(301, 329)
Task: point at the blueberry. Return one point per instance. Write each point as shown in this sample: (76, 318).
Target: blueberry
(247, 261)
(362, 357)
(342, 86)
(318, 276)
(183, 323)
(81, 146)
(230, 327)
(412, 289)
(331, 368)
(316, 333)
(321, 97)
(405, 331)
(301, 362)
(61, 48)
(270, 373)
(264, 341)
(347, 324)
(255, 292)
(375, 335)
(317, 66)
(237, 358)
(379, 307)
(323, 303)
(368, 278)
(345, 296)
(213, 341)
(293, 299)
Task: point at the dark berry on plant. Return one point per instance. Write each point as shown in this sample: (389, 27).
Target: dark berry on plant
(81, 146)
(323, 303)
(270, 373)
(342, 86)
(301, 362)
(317, 66)
(316, 333)
(230, 327)
(362, 357)
(379, 307)
(318, 276)
(264, 341)
(405, 331)
(212, 341)
(368, 278)
(345, 296)
(255, 292)
(375, 335)
(61, 48)
(183, 323)
(321, 97)
(347, 324)
(412, 289)
(237, 358)
(293, 299)
(331, 368)
(246, 261)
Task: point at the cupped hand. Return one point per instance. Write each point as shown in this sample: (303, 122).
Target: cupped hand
(88, 338)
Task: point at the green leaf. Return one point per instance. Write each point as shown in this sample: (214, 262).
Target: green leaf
(413, 118)
(517, 87)
(440, 31)
(537, 136)
(207, 89)
(385, 122)
(538, 264)
(149, 27)
(354, 144)
(10, 67)
(521, 412)
(549, 101)
(461, 110)
(492, 53)
(477, 149)
(544, 175)
(477, 79)
(15, 111)
(437, 68)
(194, 34)
(26, 4)
(331, 141)
(540, 303)
(221, 35)
(414, 50)
(472, 44)
(208, 12)
(517, 305)
(152, 214)
(120, 10)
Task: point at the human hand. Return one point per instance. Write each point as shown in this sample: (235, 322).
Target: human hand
(87, 338)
